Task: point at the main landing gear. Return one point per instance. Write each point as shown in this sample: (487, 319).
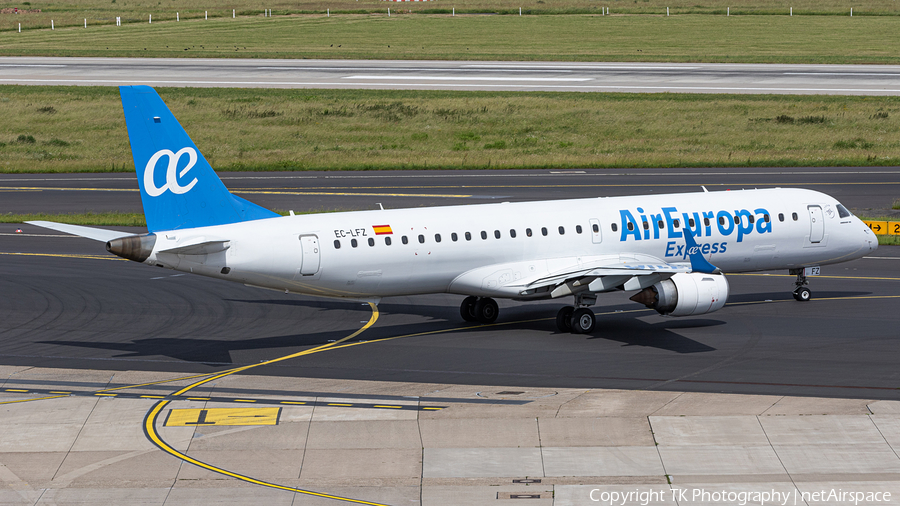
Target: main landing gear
(578, 320)
(479, 309)
(801, 292)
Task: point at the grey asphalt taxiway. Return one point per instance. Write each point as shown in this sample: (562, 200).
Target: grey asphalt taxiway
(456, 75)
(64, 302)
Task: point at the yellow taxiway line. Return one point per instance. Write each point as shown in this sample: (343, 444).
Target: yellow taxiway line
(151, 418)
(63, 255)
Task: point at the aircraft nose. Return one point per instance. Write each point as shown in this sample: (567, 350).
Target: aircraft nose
(869, 238)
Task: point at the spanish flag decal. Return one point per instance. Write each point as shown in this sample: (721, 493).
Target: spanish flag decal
(382, 229)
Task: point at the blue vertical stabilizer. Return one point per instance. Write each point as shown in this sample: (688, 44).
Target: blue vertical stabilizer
(179, 189)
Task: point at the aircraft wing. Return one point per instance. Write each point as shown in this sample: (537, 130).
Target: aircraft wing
(629, 269)
(563, 276)
(97, 234)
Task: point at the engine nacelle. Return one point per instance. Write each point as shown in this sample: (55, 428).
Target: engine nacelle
(686, 294)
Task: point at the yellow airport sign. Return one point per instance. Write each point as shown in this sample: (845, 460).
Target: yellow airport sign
(894, 227)
(222, 416)
(879, 227)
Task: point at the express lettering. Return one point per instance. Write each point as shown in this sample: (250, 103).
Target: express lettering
(673, 249)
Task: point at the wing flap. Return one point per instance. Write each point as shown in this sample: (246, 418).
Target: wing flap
(557, 277)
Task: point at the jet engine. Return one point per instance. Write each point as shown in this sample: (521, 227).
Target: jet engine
(686, 294)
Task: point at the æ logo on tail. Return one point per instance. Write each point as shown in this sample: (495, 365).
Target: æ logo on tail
(171, 177)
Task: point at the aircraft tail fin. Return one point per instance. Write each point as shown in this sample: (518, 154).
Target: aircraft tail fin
(179, 189)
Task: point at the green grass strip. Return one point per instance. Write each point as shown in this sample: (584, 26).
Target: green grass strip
(685, 38)
(81, 129)
(99, 219)
(35, 14)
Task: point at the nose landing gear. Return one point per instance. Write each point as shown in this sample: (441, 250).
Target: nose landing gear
(801, 292)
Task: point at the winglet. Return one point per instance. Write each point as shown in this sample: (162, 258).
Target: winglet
(698, 263)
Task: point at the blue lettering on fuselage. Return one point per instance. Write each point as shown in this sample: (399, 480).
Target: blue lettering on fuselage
(721, 225)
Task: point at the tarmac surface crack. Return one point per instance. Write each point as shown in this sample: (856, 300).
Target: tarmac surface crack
(788, 473)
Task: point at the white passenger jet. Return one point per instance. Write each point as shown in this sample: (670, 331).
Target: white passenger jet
(669, 250)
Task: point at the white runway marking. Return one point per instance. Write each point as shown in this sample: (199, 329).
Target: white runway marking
(450, 78)
(581, 67)
(877, 74)
(719, 89)
(410, 69)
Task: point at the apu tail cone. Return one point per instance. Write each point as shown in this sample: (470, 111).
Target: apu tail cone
(133, 247)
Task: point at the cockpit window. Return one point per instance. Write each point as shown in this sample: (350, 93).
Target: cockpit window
(843, 212)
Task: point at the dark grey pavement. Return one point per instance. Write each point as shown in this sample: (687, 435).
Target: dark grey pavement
(64, 302)
(860, 188)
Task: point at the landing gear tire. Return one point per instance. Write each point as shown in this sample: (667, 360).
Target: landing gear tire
(803, 294)
(564, 319)
(467, 309)
(486, 310)
(582, 321)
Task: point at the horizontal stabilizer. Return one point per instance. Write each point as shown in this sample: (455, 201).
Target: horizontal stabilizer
(97, 234)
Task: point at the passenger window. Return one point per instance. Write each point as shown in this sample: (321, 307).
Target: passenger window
(737, 219)
(660, 225)
(691, 222)
(468, 236)
(780, 216)
(528, 232)
(421, 239)
(512, 233)
(562, 231)
(577, 229)
(613, 226)
(721, 220)
(437, 237)
(483, 235)
(706, 221)
(677, 224)
(497, 234)
(794, 216)
(371, 241)
(353, 243)
(646, 226)
(752, 219)
(630, 227)
(337, 244)
(544, 231)
(404, 240)
(454, 237)
(387, 241)
(766, 218)
(595, 228)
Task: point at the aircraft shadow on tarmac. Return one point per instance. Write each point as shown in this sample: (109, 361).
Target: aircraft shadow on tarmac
(206, 351)
(440, 312)
(786, 296)
(624, 328)
(660, 335)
